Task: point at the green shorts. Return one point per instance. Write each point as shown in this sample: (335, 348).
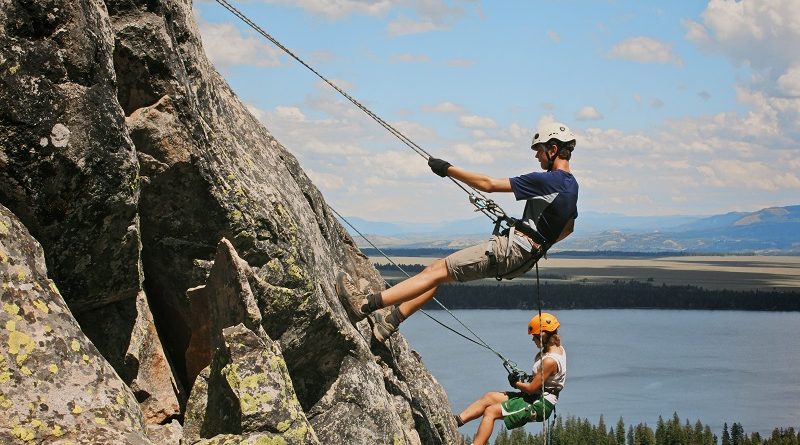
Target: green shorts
(517, 411)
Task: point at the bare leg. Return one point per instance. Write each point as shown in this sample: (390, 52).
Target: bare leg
(411, 306)
(477, 408)
(421, 286)
(491, 414)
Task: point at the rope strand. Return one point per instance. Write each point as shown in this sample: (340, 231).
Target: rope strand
(541, 353)
(395, 132)
(479, 341)
(486, 206)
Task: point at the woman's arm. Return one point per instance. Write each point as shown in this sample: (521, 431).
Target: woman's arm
(535, 386)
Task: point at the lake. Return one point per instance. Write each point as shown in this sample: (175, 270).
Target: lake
(715, 366)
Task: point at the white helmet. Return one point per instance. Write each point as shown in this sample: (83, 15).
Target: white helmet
(555, 130)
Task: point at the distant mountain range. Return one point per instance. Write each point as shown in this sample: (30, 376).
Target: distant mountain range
(771, 230)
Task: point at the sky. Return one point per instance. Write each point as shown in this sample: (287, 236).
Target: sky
(679, 108)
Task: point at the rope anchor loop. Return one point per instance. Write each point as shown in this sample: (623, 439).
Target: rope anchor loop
(510, 366)
(483, 204)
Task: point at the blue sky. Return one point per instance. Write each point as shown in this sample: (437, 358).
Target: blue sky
(680, 107)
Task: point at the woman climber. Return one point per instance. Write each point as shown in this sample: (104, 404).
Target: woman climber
(529, 403)
(549, 216)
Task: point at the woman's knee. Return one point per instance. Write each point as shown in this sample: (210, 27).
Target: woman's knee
(493, 397)
(494, 411)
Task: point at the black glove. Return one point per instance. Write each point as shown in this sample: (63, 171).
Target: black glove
(514, 377)
(439, 166)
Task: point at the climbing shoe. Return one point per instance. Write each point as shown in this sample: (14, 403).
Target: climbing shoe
(381, 327)
(352, 298)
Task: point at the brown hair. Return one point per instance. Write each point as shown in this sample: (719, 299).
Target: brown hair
(564, 149)
(552, 339)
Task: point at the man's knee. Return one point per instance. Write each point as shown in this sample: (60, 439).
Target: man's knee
(437, 270)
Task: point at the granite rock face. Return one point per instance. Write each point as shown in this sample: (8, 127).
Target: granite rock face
(69, 171)
(55, 387)
(174, 218)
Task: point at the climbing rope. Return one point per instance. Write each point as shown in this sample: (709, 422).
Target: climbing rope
(508, 364)
(482, 204)
(541, 352)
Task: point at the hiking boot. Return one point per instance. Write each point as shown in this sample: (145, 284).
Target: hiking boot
(351, 297)
(381, 328)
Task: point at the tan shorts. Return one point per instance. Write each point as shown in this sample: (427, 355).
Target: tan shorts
(472, 263)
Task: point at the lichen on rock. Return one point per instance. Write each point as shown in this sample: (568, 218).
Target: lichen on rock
(48, 388)
(171, 217)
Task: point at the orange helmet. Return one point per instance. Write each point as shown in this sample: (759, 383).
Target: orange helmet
(548, 323)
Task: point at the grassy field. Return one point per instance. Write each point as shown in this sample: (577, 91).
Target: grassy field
(710, 272)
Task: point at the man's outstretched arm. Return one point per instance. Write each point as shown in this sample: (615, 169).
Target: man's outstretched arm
(480, 181)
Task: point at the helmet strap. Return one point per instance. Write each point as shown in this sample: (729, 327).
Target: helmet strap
(550, 160)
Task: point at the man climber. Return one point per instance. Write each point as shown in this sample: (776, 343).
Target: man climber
(549, 216)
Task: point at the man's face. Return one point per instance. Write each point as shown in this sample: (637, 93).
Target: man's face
(541, 156)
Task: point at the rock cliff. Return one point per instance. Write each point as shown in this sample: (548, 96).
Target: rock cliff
(193, 258)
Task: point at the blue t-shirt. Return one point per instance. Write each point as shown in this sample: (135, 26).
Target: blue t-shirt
(552, 200)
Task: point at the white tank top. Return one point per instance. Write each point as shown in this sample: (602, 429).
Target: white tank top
(555, 382)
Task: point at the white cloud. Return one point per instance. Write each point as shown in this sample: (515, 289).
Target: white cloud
(473, 121)
(394, 164)
(325, 180)
(341, 83)
(443, 107)
(765, 37)
(414, 130)
(729, 173)
(478, 134)
(431, 15)
(290, 113)
(646, 50)
(761, 34)
(494, 145)
(628, 199)
(554, 36)
(410, 58)
(588, 113)
(326, 147)
(789, 82)
(336, 9)
(467, 153)
(259, 114)
(406, 26)
(339, 133)
(517, 131)
(225, 46)
(679, 199)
